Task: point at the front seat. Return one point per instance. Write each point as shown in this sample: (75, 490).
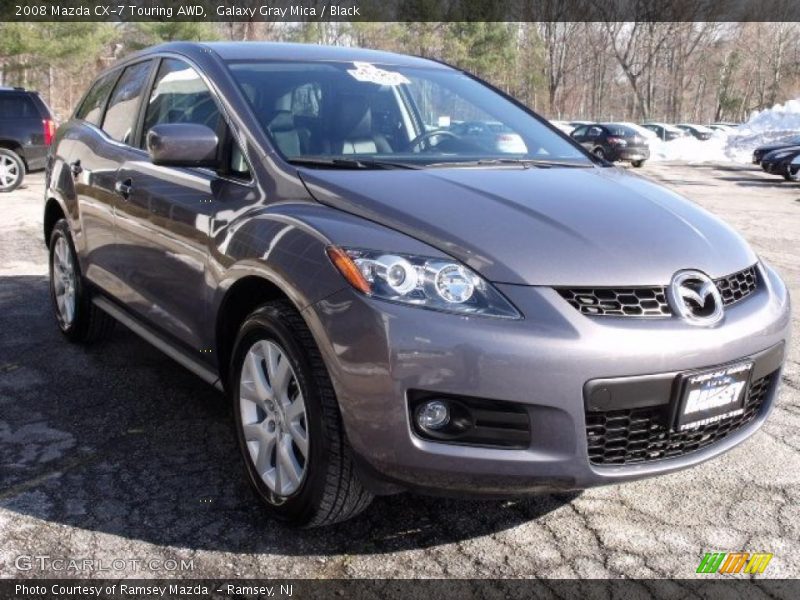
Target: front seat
(353, 129)
(283, 131)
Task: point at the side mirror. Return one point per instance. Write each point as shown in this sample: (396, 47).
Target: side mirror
(183, 145)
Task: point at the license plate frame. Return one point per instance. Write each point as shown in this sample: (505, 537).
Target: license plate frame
(711, 395)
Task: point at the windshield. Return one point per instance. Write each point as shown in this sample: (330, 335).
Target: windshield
(334, 114)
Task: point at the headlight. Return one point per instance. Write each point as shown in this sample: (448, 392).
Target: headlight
(434, 283)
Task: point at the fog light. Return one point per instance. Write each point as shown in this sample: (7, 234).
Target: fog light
(433, 414)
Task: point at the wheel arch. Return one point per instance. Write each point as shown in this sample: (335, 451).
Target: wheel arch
(240, 299)
(53, 212)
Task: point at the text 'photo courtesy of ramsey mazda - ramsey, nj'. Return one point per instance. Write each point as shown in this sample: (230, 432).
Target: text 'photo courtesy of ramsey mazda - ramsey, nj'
(391, 299)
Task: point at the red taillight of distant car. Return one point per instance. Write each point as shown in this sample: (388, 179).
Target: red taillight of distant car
(616, 141)
(49, 131)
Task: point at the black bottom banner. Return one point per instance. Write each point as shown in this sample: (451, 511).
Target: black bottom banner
(399, 589)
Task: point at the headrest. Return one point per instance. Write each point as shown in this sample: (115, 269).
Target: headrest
(283, 120)
(354, 117)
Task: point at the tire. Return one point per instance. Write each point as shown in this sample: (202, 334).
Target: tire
(599, 153)
(12, 170)
(787, 176)
(327, 490)
(79, 320)
(637, 164)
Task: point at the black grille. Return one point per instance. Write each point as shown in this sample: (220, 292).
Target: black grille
(737, 286)
(651, 301)
(619, 302)
(622, 437)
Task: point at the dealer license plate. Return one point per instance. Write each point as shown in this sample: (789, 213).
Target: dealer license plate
(713, 395)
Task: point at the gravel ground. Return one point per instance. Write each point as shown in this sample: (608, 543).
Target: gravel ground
(116, 452)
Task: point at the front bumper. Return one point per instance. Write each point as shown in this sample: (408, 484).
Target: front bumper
(776, 168)
(377, 352)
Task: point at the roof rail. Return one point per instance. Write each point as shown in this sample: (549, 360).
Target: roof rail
(6, 88)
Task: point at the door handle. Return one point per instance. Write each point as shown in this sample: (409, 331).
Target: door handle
(124, 188)
(76, 168)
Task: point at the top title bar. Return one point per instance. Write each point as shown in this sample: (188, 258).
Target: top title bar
(401, 10)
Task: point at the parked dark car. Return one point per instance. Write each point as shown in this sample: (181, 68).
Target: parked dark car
(722, 127)
(699, 132)
(786, 142)
(26, 131)
(389, 306)
(613, 142)
(777, 162)
(665, 133)
(490, 135)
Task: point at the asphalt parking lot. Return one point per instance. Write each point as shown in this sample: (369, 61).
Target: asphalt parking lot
(116, 452)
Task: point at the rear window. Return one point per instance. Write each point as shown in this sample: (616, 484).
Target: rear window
(620, 130)
(17, 106)
(91, 109)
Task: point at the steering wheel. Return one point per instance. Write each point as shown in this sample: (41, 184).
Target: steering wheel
(429, 134)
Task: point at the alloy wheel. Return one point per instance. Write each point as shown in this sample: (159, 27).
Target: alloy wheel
(273, 417)
(64, 281)
(9, 172)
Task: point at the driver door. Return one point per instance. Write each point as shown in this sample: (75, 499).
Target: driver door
(165, 224)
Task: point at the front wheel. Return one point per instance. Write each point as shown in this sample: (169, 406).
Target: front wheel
(288, 424)
(637, 164)
(599, 153)
(12, 170)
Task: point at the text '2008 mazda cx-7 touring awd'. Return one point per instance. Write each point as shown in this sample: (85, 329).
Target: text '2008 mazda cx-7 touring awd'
(391, 303)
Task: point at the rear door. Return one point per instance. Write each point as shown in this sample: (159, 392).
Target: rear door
(579, 135)
(594, 137)
(101, 145)
(163, 228)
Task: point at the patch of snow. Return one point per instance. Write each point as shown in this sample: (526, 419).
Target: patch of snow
(763, 127)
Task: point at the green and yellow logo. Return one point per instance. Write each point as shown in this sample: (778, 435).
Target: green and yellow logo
(734, 562)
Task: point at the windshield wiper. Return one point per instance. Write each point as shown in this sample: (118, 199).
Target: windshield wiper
(350, 163)
(522, 162)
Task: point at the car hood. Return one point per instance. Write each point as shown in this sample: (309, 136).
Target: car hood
(542, 226)
(773, 154)
(765, 149)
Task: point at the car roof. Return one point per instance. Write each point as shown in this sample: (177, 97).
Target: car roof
(661, 124)
(17, 90)
(244, 51)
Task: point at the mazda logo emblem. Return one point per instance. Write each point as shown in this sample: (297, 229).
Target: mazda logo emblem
(694, 297)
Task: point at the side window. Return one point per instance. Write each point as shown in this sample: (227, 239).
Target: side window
(17, 106)
(594, 132)
(180, 96)
(580, 131)
(91, 109)
(123, 107)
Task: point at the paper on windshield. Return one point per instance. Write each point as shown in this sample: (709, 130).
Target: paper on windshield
(368, 72)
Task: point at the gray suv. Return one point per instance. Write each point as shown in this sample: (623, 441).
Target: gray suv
(389, 304)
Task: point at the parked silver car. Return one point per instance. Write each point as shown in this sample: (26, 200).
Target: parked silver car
(390, 305)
